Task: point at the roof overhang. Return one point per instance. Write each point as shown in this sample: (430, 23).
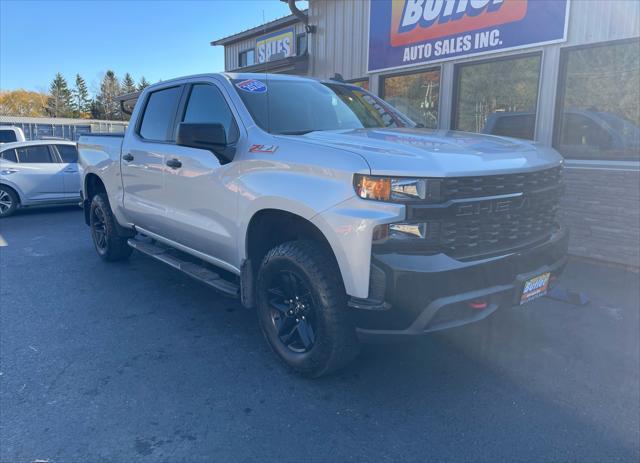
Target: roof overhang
(258, 30)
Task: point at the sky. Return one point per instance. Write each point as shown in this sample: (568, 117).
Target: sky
(155, 39)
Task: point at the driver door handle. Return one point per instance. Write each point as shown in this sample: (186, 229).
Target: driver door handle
(128, 157)
(174, 163)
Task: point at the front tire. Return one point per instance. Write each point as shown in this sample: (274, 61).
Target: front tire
(302, 309)
(109, 245)
(8, 201)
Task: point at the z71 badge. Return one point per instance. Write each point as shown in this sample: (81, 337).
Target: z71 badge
(263, 148)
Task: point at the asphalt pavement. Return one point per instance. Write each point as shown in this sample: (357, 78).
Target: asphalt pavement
(134, 362)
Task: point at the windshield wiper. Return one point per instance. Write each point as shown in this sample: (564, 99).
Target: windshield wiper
(295, 132)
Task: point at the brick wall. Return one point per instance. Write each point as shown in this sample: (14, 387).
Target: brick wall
(601, 207)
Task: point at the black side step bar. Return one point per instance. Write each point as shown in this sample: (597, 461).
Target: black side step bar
(198, 272)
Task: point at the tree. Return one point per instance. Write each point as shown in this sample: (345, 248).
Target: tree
(108, 107)
(128, 84)
(59, 103)
(23, 103)
(95, 110)
(81, 101)
(143, 84)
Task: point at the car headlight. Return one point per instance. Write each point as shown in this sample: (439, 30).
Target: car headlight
(396, 189)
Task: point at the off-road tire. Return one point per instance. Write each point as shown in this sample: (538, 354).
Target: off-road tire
(111, 246)
(336, 343)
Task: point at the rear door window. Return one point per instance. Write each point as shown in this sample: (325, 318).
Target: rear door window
(68, 153)
(35, 154)
(9, 155)
(159, 114)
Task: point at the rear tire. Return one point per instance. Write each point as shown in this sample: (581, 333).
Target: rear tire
(109, 245)
(8, 201)
(302, 309)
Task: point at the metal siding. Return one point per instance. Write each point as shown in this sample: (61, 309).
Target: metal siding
(597, 21)
(340, 42)
(232, 51)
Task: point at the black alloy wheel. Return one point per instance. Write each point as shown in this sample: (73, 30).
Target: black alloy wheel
(99, 229)
(109, 244)
(292, 311)
(302, 308)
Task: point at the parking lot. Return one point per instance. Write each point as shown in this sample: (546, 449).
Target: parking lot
(135, 362)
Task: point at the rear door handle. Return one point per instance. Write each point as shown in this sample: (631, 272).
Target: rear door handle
(71, 169)
(128, 157)
(174, 163)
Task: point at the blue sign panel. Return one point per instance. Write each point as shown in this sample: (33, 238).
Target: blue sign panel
(409, 32)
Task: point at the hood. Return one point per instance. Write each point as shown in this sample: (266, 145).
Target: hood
(437, 153)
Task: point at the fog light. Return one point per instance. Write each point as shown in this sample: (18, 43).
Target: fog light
(408, 230)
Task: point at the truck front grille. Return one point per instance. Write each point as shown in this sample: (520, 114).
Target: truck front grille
(494, 185)
(473, 236)
(483, 216)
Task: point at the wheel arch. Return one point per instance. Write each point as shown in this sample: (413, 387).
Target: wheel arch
(270, 227)
(15, 189)
(92, 185)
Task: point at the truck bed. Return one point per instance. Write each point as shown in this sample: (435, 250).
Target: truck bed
(98, 148)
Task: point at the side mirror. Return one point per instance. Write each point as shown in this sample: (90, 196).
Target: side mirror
(206, 136)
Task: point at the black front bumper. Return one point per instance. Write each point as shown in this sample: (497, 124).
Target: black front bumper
(425, 293)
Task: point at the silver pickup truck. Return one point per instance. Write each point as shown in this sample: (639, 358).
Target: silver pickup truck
(326, 209)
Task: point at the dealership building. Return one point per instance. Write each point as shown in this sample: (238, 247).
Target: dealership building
(565, 73)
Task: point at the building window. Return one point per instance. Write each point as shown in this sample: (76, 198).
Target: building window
(247, 58)
(598, 113)
(416, 95)
(301, 44)
(498, 97)
(362, 83)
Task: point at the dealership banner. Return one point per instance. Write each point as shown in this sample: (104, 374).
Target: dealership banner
(275, 46)
(409, 32)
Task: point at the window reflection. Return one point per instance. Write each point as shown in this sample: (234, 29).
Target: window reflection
(416, 95)
(600, 105)
(498, 97)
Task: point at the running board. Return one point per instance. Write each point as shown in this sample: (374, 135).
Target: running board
(198, 272)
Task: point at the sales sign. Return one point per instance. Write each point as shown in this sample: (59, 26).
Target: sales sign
(275, 46)
(409, 32)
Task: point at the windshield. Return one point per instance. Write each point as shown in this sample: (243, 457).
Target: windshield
(296, 107)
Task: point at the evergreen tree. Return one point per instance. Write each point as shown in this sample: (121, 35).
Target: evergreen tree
(59, 102)
(81, 101)
(95, 110)
(143, 84)
(109, 89)
(128, 84)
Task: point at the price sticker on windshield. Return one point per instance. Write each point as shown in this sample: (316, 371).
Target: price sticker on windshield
(252, 86)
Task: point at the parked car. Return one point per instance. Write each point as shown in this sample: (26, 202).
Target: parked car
(38, 173)
(9, 134)
(326, 209)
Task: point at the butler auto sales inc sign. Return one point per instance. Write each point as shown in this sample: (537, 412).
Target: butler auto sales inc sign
(409, 32)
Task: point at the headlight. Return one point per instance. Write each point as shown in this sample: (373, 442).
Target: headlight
(396, 189)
